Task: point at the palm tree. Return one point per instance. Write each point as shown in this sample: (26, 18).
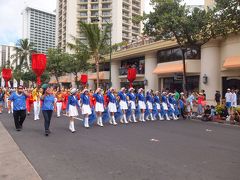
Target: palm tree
(23, 53)
(95, 42)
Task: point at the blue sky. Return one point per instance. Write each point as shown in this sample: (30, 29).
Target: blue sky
(11, 19)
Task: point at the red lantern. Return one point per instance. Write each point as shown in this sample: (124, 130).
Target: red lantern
(7, 75)
(131, 76)
(39, 62)
(84, 79)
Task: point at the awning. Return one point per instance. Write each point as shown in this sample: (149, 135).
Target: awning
(168, 68)
(232, 62)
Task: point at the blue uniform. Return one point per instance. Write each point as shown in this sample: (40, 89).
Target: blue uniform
(111, 97)
(149, 97)
(122, 96)
(99, 98)
(19, 101)
(164, 99)
(141, 97)
(156, 99)
(132, 96)
(48, 102)
(72, 100)
(85, 99)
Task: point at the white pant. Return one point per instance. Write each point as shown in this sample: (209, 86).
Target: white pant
(59, 108)
(36, 106)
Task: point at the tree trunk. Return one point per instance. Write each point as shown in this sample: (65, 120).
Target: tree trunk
(97, 68)
(184, 71)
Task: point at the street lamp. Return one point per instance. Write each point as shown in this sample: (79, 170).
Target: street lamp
(110, 50)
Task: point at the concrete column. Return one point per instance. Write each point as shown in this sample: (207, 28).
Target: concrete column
(210, 65)
(150, 65)
(115, 65)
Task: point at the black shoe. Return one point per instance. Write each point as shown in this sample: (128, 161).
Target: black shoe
(18, 129)
(46, 132)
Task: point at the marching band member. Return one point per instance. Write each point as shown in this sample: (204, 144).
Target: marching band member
(123, 104)
(132, 99)
(112, 107)
(99, 107)
(86, 110)
(171, 101)
(157, 102)
(36, 94)
(164, 104)
(141, 103)
(59, 103)
(150, 101)
(48, 103)
(72, 108)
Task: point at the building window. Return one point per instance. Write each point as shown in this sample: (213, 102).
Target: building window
(175, 54)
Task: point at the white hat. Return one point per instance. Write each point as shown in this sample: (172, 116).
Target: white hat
(139, 90)
(123, 88)
(73, 91)
(182, 93)
(229, 89)
(84, 90)
(131, 88)
(97, 90)
(164, 92)
(156, 92)
(111, 88)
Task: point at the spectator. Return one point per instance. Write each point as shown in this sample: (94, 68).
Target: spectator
(217, 97)
(228, 98)
(234, 99)
(238, 96)
(200, 103)
(207, 114)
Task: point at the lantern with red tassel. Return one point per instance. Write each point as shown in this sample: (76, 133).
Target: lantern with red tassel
(131, 76)
(84, 79)
(7, 75)
(39, 62)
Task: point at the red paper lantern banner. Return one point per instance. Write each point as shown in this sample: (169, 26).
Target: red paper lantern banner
(84, 79)
(39, 62)
(131, 76)
(7, 75)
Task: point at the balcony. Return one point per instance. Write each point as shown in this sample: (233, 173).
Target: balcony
(123, 71)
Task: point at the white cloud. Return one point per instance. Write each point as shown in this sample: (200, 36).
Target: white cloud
(11, 18)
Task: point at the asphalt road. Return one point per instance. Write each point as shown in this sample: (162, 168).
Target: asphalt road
(166, 150)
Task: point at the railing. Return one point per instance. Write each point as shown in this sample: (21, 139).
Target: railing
(124, 71)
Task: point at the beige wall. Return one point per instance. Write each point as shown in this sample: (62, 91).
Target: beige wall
(150, 65)
(210, 65)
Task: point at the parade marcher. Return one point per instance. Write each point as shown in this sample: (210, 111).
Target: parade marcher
(234, 99)
(29, 101)
(99, 107)
(141, 103)
(132, 101)
(157, 102)
(36, 94)
(165, 105)
(48, 103)
(1, 99)
(60, 99)
(190, 101)
(6, 96)
(72, 108)
(112, 107)
(19, 106)
(86, 109)
(150, 100)
(181, 103)
(172, 101)
(123, 104)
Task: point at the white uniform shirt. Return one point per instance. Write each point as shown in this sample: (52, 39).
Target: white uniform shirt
(234, 100)
(228, 97)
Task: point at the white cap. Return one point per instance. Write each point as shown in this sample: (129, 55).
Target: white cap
(123, 88)
(97, 90)
(84, 90)
(131, 88)
(73, 91)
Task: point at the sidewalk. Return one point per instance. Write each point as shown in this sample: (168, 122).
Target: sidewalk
(13, 163)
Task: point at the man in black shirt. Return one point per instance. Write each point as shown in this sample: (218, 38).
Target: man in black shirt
(217, 97)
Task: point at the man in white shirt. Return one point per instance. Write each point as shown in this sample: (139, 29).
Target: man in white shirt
(228, 98)
(234, 99)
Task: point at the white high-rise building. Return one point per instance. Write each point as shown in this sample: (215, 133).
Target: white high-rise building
(6, 53)
(40, 28)
(119, 13)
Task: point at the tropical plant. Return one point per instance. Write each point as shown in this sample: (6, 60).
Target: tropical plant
(57, 62)
(95, 42)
